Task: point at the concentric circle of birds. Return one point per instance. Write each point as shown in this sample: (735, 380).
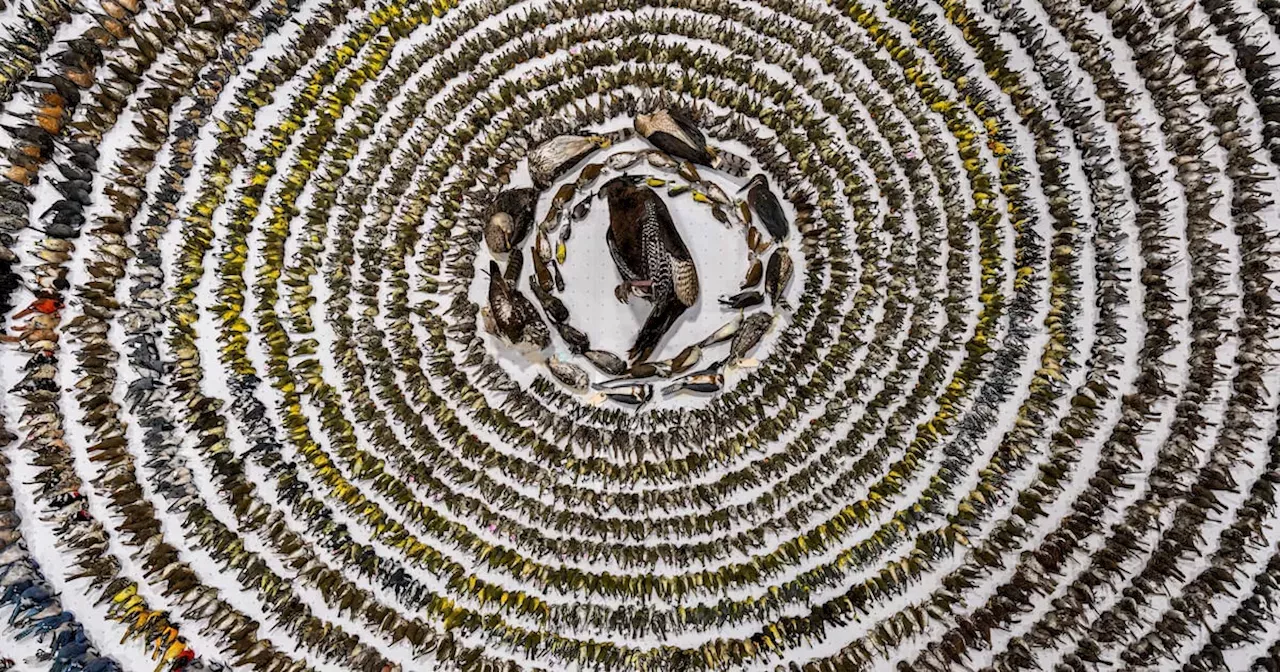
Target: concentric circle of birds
(647, 250)
(599, 336)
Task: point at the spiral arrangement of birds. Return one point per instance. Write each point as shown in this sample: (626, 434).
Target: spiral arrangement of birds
(672, 336)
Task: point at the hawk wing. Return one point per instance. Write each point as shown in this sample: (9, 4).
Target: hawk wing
(629, 267)
(684, 275)
(626, 213)
(692, 134)
(500, 303)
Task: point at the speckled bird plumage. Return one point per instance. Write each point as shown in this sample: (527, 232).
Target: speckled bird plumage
(647, 248)
(513, 314)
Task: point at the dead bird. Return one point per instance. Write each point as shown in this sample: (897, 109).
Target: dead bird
(542, 269)
(577, 341)
(551, 304)
(606, 362)
(705, 383)
(651, 257)
(685, 360)
(724, 333)
(511, 315)
(742, 300)
(677, 135)
(624, 160)
(767, 207)
(711, 193)
(638, 372)
(509, 218)
(553, 158)
(754, 327)
(778, 275)
(581, 210)
(568, 373)
(632, 395)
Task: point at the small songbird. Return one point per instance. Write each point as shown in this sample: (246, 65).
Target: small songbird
(767, 207)
(509, 219)
(511, 314)
(650, 256)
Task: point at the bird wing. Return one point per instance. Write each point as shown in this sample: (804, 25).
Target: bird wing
(692, 134)
(771, 214)
(676, 146)
(523, 307)
(626, 214)
(628, 266)
(684, 275)
(500, 297)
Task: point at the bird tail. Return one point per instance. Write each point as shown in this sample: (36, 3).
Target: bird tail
(730, 163)
(619, 136)
(655, 327)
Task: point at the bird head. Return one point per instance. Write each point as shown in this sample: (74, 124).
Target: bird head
(758, 179)
(643, 124)
(497, 233)
(619, 186)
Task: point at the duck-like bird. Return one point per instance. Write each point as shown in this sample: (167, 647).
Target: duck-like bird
(767, 207)
(676, 134)
(511, 314)
(509, 218)
(650, 256)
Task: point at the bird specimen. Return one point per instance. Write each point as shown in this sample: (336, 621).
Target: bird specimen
(509, 219)
(767, 207)
(998, 392)
(651, 257)
(678, 136)
(511, 315)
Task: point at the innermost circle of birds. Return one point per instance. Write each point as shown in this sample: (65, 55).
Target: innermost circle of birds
(649, 256)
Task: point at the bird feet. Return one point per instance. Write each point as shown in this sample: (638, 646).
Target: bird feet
(638, 287)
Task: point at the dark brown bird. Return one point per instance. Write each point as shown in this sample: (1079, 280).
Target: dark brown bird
(511, 314)
(509, 219)
(650, 256)
(778, 274)
(675, 134)
(767, 207)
